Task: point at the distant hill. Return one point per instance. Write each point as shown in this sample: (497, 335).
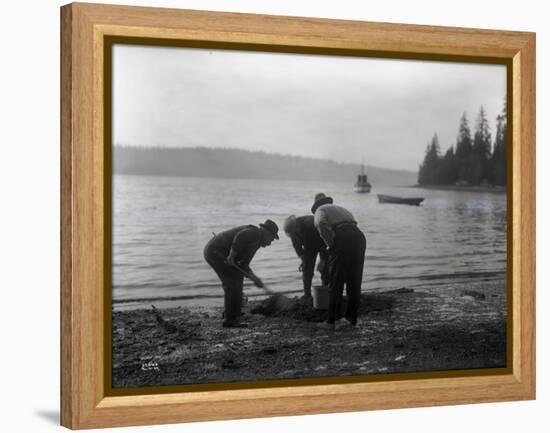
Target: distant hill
(236, 163)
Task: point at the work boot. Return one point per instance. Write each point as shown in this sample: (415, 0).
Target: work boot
(238, 315)
(352, 320)
(328, 326)
(233, 323)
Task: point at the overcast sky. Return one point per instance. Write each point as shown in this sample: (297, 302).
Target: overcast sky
(340, 108)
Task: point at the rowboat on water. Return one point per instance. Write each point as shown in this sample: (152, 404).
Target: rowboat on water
(414, 201)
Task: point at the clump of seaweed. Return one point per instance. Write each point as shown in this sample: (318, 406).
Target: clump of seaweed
(302, 308)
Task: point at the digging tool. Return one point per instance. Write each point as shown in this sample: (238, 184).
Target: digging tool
(280, 301)
(247, 275)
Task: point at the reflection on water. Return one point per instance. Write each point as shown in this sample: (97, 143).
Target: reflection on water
(161, 224)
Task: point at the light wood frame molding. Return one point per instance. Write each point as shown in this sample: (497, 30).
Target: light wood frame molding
(84, 403)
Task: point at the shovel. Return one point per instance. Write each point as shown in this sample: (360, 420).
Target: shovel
(247, 275)
(280, 301)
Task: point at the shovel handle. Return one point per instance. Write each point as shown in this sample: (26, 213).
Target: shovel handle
(246, 274)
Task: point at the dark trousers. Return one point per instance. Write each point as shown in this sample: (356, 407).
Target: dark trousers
(308, 268)
(346, 259)
(231, 279)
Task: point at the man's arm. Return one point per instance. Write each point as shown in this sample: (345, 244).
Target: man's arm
(298, 247)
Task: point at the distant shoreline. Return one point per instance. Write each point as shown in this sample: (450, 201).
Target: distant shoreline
(240, 163)
(491, 189)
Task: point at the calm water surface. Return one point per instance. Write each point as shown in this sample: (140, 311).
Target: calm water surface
(161, 224)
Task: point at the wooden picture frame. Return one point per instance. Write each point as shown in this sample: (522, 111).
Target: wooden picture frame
(85, 213)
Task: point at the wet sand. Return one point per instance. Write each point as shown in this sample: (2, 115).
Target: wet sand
(455, 327)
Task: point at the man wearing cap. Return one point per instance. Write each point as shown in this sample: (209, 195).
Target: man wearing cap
(307, 243)
(229, 253)
(346, 246)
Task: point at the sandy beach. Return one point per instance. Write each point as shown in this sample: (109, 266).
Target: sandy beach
(458, 326)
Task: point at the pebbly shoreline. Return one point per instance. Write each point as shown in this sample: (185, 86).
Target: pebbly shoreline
(455, 327)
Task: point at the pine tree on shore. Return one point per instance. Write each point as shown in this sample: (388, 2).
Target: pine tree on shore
(447, 168)
(472, 161)
(498, 158)
(464, 151)
(429, 170)
(481, 150)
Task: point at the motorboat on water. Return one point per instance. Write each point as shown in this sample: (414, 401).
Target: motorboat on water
(362, 184)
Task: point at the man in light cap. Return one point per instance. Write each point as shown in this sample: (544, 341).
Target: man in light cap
(229, 253)
(307, 243)
(346, 246)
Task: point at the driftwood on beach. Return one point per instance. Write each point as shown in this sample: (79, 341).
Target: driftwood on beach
(188, 331)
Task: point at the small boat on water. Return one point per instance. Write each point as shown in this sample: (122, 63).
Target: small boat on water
(414, 201)
(362, 184)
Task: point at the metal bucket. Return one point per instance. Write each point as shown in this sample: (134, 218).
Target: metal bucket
(320, 297)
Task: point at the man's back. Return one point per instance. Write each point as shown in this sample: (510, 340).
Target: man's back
(327, 217)
(242, 241)
(309, 236)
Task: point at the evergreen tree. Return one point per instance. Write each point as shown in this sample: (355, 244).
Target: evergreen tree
(447, 168)
(481, 150)
(428, 173)
(464, 150)
(422, 171)
(472, 161)
(498, 158)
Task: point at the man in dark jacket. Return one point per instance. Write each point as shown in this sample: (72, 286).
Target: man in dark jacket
(307, 243)
(346, 245)
(229, 253)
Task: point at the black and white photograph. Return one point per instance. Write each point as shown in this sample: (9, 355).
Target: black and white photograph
(283, 216)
